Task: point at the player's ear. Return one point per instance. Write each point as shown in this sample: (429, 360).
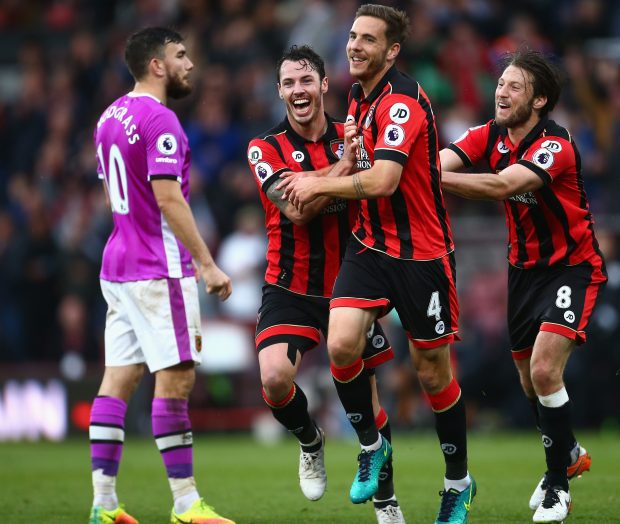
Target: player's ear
(324, 85)
(539, 102)
(157, 67)
(393, 51)
(280, 91)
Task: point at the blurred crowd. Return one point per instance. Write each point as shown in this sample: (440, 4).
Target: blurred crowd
(61, 64)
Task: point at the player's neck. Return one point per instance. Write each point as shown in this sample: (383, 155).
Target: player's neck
(368, 84)
(150, 88)
(518, 133)
(312, 132)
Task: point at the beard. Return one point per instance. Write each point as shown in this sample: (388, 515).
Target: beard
(521, 115)
(176, 88)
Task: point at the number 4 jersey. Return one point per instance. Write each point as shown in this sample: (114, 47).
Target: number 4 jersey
(138, 139)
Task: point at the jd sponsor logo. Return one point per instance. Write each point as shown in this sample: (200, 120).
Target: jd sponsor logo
(440, 327)
(448, 449)
(377, 341)
(354, 417)
(569, 316)
(547, 442)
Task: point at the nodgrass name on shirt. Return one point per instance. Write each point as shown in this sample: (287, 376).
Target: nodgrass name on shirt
(118, 113)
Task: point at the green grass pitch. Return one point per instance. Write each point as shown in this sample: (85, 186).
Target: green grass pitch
(252, 483)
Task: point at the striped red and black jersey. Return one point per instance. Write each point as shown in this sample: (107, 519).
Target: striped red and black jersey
(396, 123)
(302, 258)
(552, 225)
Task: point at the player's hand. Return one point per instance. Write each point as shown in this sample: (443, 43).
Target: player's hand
(303, 191)
(288, 179)
(351, 140)
(216, 281)
(196, 271)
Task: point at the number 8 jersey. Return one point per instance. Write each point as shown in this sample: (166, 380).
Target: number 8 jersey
(138, 139)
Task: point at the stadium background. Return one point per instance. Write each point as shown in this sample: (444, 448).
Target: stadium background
(61, 64)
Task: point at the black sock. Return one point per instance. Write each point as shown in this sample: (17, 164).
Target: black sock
(292, 413)
(534, 405)
(558, 440)
(452, 432)
(386, 476)
(353, 387)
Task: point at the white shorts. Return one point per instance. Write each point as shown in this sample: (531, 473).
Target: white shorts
(152, 321)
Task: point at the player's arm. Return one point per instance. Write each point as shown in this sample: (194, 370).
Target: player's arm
(381, 180)
(181, 220)
(290, 211)
(514, 180)
(450, 161)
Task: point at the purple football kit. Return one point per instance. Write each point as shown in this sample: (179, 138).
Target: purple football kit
(147, 276)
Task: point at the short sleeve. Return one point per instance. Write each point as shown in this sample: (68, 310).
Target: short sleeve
(164, 146)
(549, 157)
(265, 163)
(471, 145)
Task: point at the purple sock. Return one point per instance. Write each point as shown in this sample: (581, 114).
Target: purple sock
(107, 433)
(173, 434)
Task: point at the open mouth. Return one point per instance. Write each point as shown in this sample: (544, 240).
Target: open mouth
(302, 105)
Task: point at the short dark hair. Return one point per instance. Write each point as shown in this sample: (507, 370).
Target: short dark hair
(397, 21)
(304, 54)
(146, 44)
(546, 77)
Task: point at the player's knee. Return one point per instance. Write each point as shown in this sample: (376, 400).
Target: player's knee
(545, 377)
(344, 348)
(276, 383)
(432, 380)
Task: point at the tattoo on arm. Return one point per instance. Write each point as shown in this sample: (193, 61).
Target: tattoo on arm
(275, 195)
(359, 188)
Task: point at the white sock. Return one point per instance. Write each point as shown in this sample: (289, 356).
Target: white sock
(459, 485)
(375, 446)
(555, 400)
(104, 490)
(184, 493)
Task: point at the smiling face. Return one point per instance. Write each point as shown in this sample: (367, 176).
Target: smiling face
(302, 90)
(514, 99)
(178, 68)
(368, 50)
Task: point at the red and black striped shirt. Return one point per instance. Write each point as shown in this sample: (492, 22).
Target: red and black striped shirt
(397, 123)
(552, 225)
(304, 259)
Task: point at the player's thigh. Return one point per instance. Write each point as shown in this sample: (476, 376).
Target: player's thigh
(424, 295)
(570, 294)
(348, 326)
(120, 341)
(292, 320)
(165, 315)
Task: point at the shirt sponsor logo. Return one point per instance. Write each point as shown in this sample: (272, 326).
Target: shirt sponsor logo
(526, 198)
(543, 158)
(263, 170)
(165, 160)
(552, 145)
(254, 155)
(394, 135)
(298, 156)
(399, 113)
(502, 148)
(167, 144)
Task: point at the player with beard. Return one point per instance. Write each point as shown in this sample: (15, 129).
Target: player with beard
(303, 257)
(148, 278)
(555, 268)
(399, 256)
